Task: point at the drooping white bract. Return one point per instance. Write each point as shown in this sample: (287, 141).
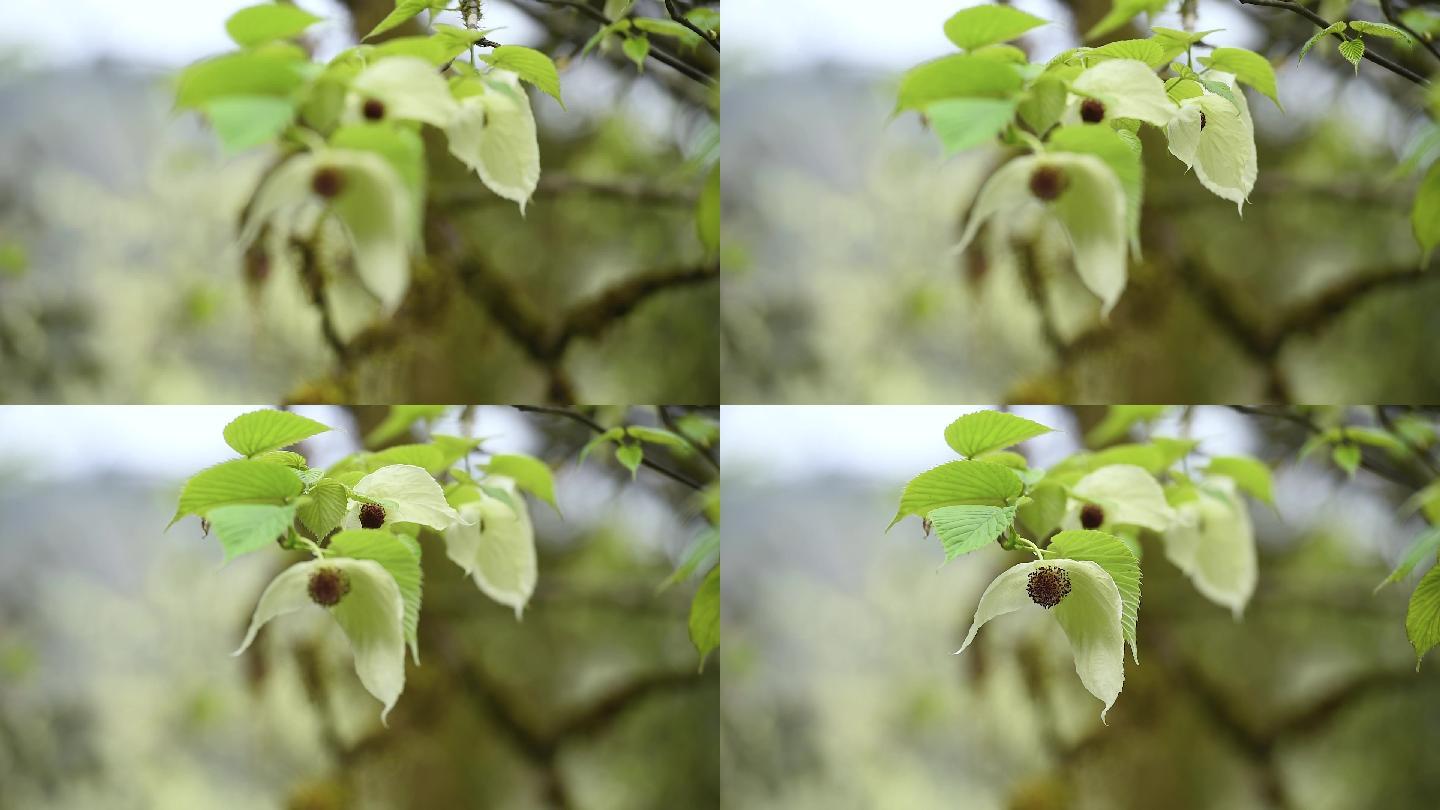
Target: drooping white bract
(1129, 89)
(410, 89)
(371, 612)
(1090, 207)
(1128, 494)
(408, 493)
(367, 196)
(494, 134)
(1090, 615)
(1213, 542)
(495, 543)
(1222, 151)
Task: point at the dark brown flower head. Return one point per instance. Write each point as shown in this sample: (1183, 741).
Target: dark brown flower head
(1047, 183)
(373, 109)
(328, 586)
(1202, 121)
(1048, 586)
(328, 182)
(1092, 111)
(1091, 516)
(372, 516)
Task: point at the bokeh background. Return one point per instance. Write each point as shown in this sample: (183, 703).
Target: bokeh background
(118, 689)
(841, 691)
(120, 279)
(840, 284)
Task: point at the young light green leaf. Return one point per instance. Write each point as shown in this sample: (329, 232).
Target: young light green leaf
(983, 25)
(1128, 494)
(1121, 12)
(1213, 542)
(964, 123)
(957, 76)
(495, 545)
(258, 431)
(530, 473)
(405, 10)
(963, 529)
(1353, 50)
(1090, 614)
(247, 74)
(1250, 474)
(285, 458)
(262, 23)
(400, 419)
(323, 507)
(705, 616)
(1422, 619)
(1043, 103)
(1332, 28)
(611, 435)
(958, 483)
(702, 555)
(1346, 457)
(530, 65)
(660, 436)
(1152, 54)
(630, 456)
(400, 560)
(1385, 30)
(1426, 546)
(244, 122)
(243, 528)
(984, 431)
(1118, 421)
(236, 482)
(1045, 509)
(1247, 67)
(637, 48)
(1114, 555)
(1127, 89)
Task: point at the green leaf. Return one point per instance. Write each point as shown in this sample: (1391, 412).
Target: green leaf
(235, 482)
(257, 24)
(964, 123)
(1176, 42)
(630, 455)
(957, 76)
(244, 528)
(1422, 619)
(983, 25)
(405, 10)
(400, 559)
(323, 507)
(707, 211)
(283, 457)
(244, 122)
(1353, 50)
(963, 529)
(1045, 509)
(426, 456)
(1347, 458)
(454, 448)
(530, 65)
(702, 554)
(705, 616)
(1385, 30)
(1425, 215)
(1250, 474)
(1153, 54)
(1248, 67)
(984, 431)
(1121, 12)
(959, 483)
(637, 48)
(1118, 421)
(399, 421)
(668, 28)
(1333, 28)
(255, 432)
(1427, 545)
(1112, 554)
(1043, 103)
(247, 74)
(611, 435)
(529, 473)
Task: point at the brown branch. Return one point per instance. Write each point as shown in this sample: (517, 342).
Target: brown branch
(1387, 7)
(597, 428)
(657, 52)
(1321, 22)
(713, 39)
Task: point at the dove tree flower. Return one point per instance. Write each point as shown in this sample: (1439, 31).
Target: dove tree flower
(1118, 495)
(1213, 541)
(494, 541)
(1214, 135)
(399, 493)
(1119, 89)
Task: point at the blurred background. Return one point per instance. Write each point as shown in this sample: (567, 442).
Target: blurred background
(118, 690)
(841, 690)
(120, 279)
(840, 284)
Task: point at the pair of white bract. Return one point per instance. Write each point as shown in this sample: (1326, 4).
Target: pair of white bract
(1207, 133)
(490, 537)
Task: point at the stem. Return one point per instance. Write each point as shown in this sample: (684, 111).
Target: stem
(1321, 22)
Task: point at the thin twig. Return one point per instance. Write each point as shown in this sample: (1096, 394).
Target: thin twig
(1387, 7)
(713, 39)
(656, 52)
(669, 422)
(1321, 22)
(596, 427)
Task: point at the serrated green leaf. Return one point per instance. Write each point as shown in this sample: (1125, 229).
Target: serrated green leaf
(530, 65)
(1353, 50)
(630, 456)
(611, 435)
(262, 23)
(1151, 53)
(963, 529)
(1114, 555)
(237, 482)
(1118, 421)
(662, 437)
(399, 421)
(529, 473)
(1385, 30)
(405, 10)
(1250, 474)
(1422, 619)
(702, 554)
(965, 123)
(1043, 103)
(258, 431)
(425, 456)
(1333, 28)
(983, 25)
(1248, 67)
(1347, 458)
(454, 448)
(283, 457)
(1045, 509)
(247, 74)
(984, 431)
(705, 616)
(243, 528)
(957, 76)
(323, 507)
(400, 559)
(959, 483)
(637, 48)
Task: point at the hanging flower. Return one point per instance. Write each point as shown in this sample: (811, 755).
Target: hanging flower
(1118, 495)
(494, 134)
(494, 542)
(1215, 136)
(401, 88)
(1121, 88)
(1213, 542)
(403, 493)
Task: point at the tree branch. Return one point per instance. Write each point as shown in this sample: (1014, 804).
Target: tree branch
(1387, 7)
(1321, 22)
(713, 39)
(596, 427)
(657, 52)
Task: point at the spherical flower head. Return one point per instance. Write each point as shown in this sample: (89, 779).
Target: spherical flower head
(373, 109)
(1092, 111)
(1047, 183)
(328, 586)
(327, 182)
(372, 516)
(1092, 516)
(1048, 585)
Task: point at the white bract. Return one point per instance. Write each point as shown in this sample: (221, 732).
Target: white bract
(371, 612)
(1128, 494)
(495, 544)
(1089, 205)
(494, 134)
(1129, 89)
(1222, 151)
(1089, 615)
(1213, 542)
(410, 89)
(365, 194)
(408, 494)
